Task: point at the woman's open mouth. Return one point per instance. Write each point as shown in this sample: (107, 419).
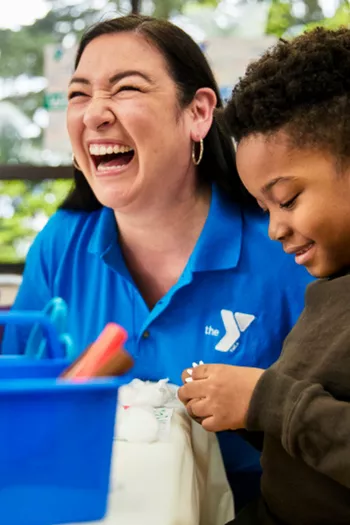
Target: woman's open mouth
(110, 158)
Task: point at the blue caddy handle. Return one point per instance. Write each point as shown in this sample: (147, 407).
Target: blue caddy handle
(32, 317)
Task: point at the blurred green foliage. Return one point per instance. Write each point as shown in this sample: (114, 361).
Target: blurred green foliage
(24, 209)
(340, 18)
(282, 20)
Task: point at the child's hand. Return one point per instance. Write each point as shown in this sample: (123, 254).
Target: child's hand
(219, 395)
(186, 375)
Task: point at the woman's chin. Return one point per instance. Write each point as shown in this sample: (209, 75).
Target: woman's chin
(113, 199)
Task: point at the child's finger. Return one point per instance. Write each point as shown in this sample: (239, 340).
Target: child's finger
(186, 374)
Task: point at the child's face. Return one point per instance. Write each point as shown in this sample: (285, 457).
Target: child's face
(307, 199)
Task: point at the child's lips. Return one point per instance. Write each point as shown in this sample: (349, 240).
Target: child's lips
(304, 255)
(296, 250)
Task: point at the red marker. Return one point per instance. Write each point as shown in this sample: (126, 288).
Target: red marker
(105, 357)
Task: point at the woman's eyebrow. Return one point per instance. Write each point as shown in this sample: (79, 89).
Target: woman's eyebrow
(115, 78)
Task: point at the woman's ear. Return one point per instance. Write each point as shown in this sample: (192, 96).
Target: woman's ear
(202, 110)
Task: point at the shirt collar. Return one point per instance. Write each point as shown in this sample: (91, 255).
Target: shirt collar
(105, 233)
(104, 242)
(218, 246)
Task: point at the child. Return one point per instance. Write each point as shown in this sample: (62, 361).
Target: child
(290, 118)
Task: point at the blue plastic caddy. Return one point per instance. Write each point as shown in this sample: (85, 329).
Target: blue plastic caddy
(56, 437)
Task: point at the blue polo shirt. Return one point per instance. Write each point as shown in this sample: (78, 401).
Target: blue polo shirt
(235, 302)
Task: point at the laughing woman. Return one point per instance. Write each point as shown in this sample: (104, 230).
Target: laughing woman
(158, 234)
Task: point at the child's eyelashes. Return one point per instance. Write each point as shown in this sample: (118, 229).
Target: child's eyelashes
(289, 204)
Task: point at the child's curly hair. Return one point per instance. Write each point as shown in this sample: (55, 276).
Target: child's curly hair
(302, 87)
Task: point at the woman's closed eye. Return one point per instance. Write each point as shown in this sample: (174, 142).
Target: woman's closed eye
(75, 94)
(290, 203)
(128, 88)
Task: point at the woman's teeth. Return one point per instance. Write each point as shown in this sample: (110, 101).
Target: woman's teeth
(102, 167)
(110, 157)
(108, 149)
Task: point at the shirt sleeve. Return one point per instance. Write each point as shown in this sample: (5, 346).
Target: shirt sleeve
(256, 439)
(33, 294)
(311, 424)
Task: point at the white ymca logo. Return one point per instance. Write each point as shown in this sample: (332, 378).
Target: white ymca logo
(235, 324)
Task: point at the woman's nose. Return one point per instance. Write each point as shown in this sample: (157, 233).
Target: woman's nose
(98, 114)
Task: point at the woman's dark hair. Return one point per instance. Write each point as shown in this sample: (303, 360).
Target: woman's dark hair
(301, 87)
(190, 71)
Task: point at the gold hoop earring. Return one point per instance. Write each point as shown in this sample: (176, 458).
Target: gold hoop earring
(75, 164)
(195, 160)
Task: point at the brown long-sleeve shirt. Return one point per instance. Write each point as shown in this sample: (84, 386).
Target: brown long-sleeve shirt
(302, 404)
